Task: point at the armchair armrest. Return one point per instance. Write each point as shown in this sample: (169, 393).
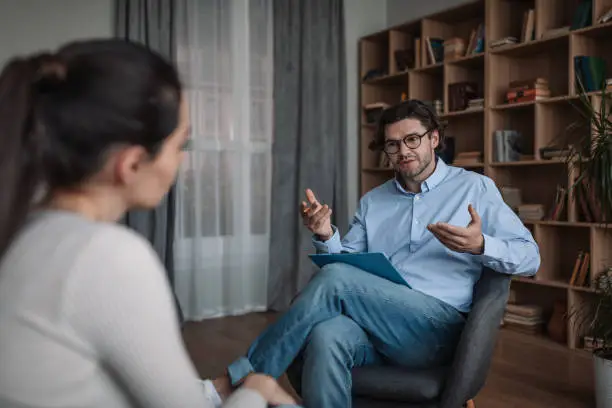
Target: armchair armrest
(472, 359)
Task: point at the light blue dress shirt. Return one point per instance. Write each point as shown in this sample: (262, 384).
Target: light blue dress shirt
(394, 221)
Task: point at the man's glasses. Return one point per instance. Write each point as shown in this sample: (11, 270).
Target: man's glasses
(412, 141)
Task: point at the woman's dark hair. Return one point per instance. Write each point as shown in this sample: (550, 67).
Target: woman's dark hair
(60, 113)
(409, 109)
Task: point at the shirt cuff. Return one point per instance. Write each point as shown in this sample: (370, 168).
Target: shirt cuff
(331, 246)
(494, 249)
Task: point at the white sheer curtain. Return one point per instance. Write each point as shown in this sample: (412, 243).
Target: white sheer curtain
(224, 54)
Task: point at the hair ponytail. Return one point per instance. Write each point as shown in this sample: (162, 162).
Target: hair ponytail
(60, 113)
(19, 161)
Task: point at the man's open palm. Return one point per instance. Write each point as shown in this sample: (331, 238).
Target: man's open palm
(461, 239)
(317, 217)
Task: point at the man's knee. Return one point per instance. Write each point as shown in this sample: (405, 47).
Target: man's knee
(336, 337)
(337, 274)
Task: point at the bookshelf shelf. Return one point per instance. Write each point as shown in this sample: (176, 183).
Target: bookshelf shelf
(465, 112)
(474, 60)
(515, 105)
(528, 163)
(546, 47)
(431, 68)
(533, 47)
(398, 78)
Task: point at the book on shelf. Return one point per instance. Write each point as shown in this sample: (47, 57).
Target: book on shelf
(583, 15)
(435, 49)
(460, 93)
(558, 206)
(580, 272)
(404, 59)
(590, 208)
(591, 71)
(507, 145)
(605, 17)
(551, 152)
(417, 53)
(477, 41)
(528, 30)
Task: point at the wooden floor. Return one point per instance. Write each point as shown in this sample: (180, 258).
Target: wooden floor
(527, 371)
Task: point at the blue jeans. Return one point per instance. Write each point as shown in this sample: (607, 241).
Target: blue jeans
(345, 318)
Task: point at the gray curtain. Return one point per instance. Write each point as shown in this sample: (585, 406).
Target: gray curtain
(309, 132)
(151, 22)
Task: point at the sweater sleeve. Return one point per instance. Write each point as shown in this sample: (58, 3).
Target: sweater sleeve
(120, 304)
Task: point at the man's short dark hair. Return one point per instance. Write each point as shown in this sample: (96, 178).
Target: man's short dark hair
(409, 109)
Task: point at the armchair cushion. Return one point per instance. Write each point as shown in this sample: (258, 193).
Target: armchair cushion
(399, 384)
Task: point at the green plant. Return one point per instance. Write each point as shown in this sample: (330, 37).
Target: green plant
(591, 158)
(591, 154)
(594, 318)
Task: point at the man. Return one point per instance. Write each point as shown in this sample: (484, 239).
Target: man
(439, 225)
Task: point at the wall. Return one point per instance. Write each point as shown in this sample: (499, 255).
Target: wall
(33, 25)
(361, 17)
(400, 11)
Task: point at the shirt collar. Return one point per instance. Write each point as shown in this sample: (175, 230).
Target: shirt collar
(432, 181)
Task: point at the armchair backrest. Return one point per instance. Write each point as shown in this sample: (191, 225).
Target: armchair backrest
(474, 352)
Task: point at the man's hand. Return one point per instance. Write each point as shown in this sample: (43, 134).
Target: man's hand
(317, 217)
(461, 239)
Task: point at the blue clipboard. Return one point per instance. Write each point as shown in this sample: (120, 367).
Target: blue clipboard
(375, 263)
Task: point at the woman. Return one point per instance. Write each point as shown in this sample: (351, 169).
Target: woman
(86, 315)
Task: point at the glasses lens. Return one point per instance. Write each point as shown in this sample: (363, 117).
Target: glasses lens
(412, 141)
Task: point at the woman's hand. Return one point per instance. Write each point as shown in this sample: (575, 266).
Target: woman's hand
(269, 388)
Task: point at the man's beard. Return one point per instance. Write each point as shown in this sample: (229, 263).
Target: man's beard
(414, 173)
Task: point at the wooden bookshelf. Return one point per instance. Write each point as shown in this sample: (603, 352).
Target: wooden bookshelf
(540, 122)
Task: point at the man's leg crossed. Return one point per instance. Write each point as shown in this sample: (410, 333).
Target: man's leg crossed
(406, 326)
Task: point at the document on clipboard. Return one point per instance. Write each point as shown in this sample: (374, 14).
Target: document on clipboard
(375, 263)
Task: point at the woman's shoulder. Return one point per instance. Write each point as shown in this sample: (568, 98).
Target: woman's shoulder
(76, 242)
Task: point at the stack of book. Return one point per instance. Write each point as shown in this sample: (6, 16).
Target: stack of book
(454, 48)
(531, 212)
(524, 318)
(528, 90)
(503, 42)
(476, 103)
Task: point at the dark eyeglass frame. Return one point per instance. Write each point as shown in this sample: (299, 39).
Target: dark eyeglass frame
(393, 146)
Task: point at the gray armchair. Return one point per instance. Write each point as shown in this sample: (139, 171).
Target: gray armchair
(443, 387)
